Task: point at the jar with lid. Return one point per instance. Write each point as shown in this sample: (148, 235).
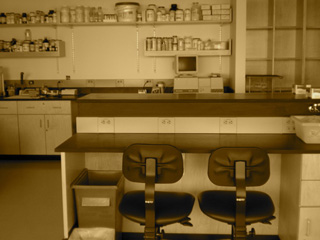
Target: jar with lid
(180, 44)
(79, 14)
(100, 14)
(24, 18)
(32, 47)
(65, 14)
(187, 14)
(45, 45)
(150, 14)
(188, 43)
(179, 15)
(27, 34)
(3, 18)
(72, 15)
(26, 46)
(195, 11)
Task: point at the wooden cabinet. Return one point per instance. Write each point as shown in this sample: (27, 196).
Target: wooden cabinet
(9, 132)
(300, 197)
(282, 37)
(44, 125)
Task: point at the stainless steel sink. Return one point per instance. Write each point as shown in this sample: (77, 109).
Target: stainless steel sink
(22, 97)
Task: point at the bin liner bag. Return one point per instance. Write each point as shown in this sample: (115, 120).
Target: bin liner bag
(93, 234)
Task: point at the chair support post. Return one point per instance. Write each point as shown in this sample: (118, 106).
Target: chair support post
(150, 227)
(240, 232)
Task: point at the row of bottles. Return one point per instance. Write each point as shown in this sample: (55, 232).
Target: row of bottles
(152, 13)
(188, 43)
(29, 18)
(29, 44)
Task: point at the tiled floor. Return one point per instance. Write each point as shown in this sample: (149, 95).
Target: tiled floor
(30, 200)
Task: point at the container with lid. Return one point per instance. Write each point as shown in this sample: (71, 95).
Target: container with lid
(127, 11)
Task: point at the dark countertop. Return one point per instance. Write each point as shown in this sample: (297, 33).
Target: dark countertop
(194, 105)
(226, 97)
(42, 98)
(188, 143)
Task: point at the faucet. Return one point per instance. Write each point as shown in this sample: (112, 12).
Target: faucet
(21, 79)
(314, 108)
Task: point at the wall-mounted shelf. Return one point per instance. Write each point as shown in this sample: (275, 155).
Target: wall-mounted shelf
(59, 53)
(116, 23)
(226, 52)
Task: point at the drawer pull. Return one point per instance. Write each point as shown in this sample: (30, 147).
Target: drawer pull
(56, 107)
(30, 107)
(4, 108)
(308, 227)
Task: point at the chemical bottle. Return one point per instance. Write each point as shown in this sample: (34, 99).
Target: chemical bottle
(195, 12)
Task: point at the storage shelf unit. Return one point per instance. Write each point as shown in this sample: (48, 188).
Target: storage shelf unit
(282, 38)
(59, 53)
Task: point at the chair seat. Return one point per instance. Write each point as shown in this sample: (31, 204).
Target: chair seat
(170, 207)
(221, 205)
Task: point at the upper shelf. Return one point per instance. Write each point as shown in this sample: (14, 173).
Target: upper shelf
(59, 53)
(115, 23)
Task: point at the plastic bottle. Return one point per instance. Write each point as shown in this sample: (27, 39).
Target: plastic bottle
(27, 35)
(195, 12)
(65, 18)
(100, 14)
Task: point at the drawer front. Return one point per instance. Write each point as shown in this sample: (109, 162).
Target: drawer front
(31, 107)
(310, 167)
(310, 194)
(58, 107)
(8, 107)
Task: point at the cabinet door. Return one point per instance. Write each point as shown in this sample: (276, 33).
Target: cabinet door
(9, 134)
(58, 129)
(309, 224)
(31, 107)
(58, 107)
(32, 134)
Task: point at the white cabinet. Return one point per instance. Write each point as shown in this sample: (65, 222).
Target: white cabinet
(32, 134)
(43, 125)
(300, 197)
(309, 221)
(9, 132)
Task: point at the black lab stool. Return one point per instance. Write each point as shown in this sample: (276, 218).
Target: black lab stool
(239, 167)
(152, 164)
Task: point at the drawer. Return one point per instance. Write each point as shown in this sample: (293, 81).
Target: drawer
(310, 167)
(8, 107)
(31, 107)
(310, 194)
(58, 107)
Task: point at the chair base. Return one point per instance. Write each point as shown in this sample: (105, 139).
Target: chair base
(194, 236)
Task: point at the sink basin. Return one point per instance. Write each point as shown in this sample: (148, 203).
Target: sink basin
(308, 128)
(22, 97)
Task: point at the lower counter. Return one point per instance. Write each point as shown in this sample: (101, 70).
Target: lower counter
(295, 176)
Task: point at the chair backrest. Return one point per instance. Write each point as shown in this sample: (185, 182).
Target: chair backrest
(221, 169)
(169, 163)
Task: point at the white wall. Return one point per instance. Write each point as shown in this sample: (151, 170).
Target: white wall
(106, 52)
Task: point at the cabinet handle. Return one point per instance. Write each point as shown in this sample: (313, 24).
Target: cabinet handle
(30, 107)
(308, 227)
(4, 108)
(56, 107)
(40, 123)
(48, 124)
